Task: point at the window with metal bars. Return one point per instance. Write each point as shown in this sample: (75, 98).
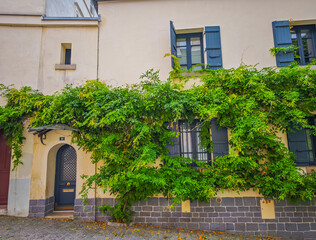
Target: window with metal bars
(190, 142)
(189, 138)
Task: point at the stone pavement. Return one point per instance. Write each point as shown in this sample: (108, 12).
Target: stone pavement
(38, 228)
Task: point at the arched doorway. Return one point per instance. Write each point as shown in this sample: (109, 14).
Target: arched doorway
(65, 178)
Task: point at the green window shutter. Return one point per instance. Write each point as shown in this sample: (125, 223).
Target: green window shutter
(297, 140)
(220, 139)
(282, 38)
(213, 47)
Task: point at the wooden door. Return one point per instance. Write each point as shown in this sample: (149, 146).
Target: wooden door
(65, 180)
(5, 160)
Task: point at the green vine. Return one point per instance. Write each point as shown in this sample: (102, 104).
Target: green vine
(276, 50)
(125, 130)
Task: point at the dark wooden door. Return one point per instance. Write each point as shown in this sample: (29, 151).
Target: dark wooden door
(5, 159)
(65, 180)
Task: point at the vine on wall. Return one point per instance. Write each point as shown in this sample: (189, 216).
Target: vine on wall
(125, 130)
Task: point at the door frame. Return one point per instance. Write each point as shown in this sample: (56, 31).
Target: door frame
(57, 180)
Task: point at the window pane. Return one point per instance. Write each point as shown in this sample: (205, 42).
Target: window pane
(191, 136)
(308, 45)
(296, 53)
(196, 54)
(181, 42)
(309, 144)
(182, 55)
(186, 141)
(195, 41)
(184, 67)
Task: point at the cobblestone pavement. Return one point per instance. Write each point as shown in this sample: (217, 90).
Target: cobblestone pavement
(36, 228)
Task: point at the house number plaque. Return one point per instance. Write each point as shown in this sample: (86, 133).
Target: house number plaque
(68, 190)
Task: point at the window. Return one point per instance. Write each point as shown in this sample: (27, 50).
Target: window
(188, 47)
(65, 58)
(190, 50)
(303, 144)
(304, 38)
(65, 53)
(188, 143)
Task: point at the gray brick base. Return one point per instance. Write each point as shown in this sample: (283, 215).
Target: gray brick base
(232, 215)
(41, 207)
(84, 212)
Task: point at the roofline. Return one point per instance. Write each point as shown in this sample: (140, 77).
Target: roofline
(73, 18)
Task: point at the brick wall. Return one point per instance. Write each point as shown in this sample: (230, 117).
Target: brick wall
(232, 215)
(41, 207)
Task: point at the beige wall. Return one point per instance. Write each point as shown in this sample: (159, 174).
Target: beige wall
(30, 48)
(135, 34)
(31, 7)
(84, 55)
(44, 162)
(20, 55)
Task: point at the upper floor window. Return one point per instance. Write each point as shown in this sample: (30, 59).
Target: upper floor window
(304, 37)
(303, 144)
(190, 50)
(65, 53)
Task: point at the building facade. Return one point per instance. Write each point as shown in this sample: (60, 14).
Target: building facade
(49, 44)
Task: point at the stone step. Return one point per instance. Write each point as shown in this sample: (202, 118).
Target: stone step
(61, 215)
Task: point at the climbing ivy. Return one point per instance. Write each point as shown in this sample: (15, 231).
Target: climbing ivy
(126, 130)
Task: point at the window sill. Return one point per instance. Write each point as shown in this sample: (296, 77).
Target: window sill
(309, 169)
(193, 74)
(65, 66)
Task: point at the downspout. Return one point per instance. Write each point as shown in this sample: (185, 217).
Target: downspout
(98, 46)
(95, 194)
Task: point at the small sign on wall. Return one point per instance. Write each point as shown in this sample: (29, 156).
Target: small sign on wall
(267, 209)
(61, 138)
(186, 206)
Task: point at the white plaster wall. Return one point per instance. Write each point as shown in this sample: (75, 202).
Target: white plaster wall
(22, 7)
(20, 55)
(134, 35)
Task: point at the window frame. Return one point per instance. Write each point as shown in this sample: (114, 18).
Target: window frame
(297, 30)
(312, 162)
(187, 36)
(194, 142)
(312, 121)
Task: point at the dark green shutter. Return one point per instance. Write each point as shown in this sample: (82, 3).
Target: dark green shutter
(282, 38)
(220, 139)
(213, 47)
(173, 42)
(297, 140)
(174, 151)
